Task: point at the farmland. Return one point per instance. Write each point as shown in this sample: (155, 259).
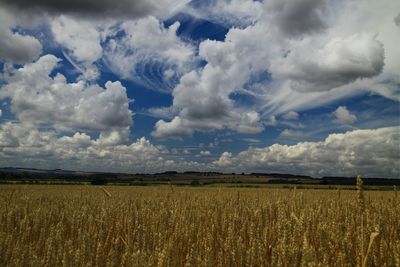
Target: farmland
(76, 225)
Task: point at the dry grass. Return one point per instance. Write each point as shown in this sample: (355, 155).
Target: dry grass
(172, 226)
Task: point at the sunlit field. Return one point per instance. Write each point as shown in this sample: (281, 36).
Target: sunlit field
(183, 226)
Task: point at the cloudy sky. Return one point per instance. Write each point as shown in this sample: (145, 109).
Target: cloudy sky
(296, 86)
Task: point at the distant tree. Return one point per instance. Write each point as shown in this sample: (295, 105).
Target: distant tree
(98, 179)
(25, 175)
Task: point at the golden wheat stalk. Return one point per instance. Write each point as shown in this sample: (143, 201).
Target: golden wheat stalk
(360, 201)
(372, 238)
(360, 193)
(106, 192)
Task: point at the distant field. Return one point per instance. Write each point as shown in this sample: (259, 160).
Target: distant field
(270, 180)
(49, 225)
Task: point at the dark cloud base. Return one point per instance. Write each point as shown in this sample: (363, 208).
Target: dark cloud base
(125, 8)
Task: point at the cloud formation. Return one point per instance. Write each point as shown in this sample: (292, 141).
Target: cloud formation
(121, 8)
(15, 47)
(149, 54)
(296, 18)
(330, 65)
(38, 97)
(204, 97)
(279, 58)
(205, 153)
(343, 116)
(22, 144)
(291, 115)
(81, 42)
(230, 13)
(266, 62)
(290, 134)
(371, 153)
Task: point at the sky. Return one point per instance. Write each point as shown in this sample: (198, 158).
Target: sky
(307, 87)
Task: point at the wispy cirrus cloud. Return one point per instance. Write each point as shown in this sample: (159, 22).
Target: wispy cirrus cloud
(149, 54)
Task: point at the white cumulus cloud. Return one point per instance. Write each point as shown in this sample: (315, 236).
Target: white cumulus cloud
(371, 153)
(22, 144)
(343, 116)
(81, 41)
(38, 98)
(311, 52)
(203, 97)
(15, 47)
(330, 65)
(205, 153)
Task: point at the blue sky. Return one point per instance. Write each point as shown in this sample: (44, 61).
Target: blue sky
(306, 86)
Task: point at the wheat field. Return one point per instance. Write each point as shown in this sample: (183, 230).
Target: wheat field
(174, 226)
